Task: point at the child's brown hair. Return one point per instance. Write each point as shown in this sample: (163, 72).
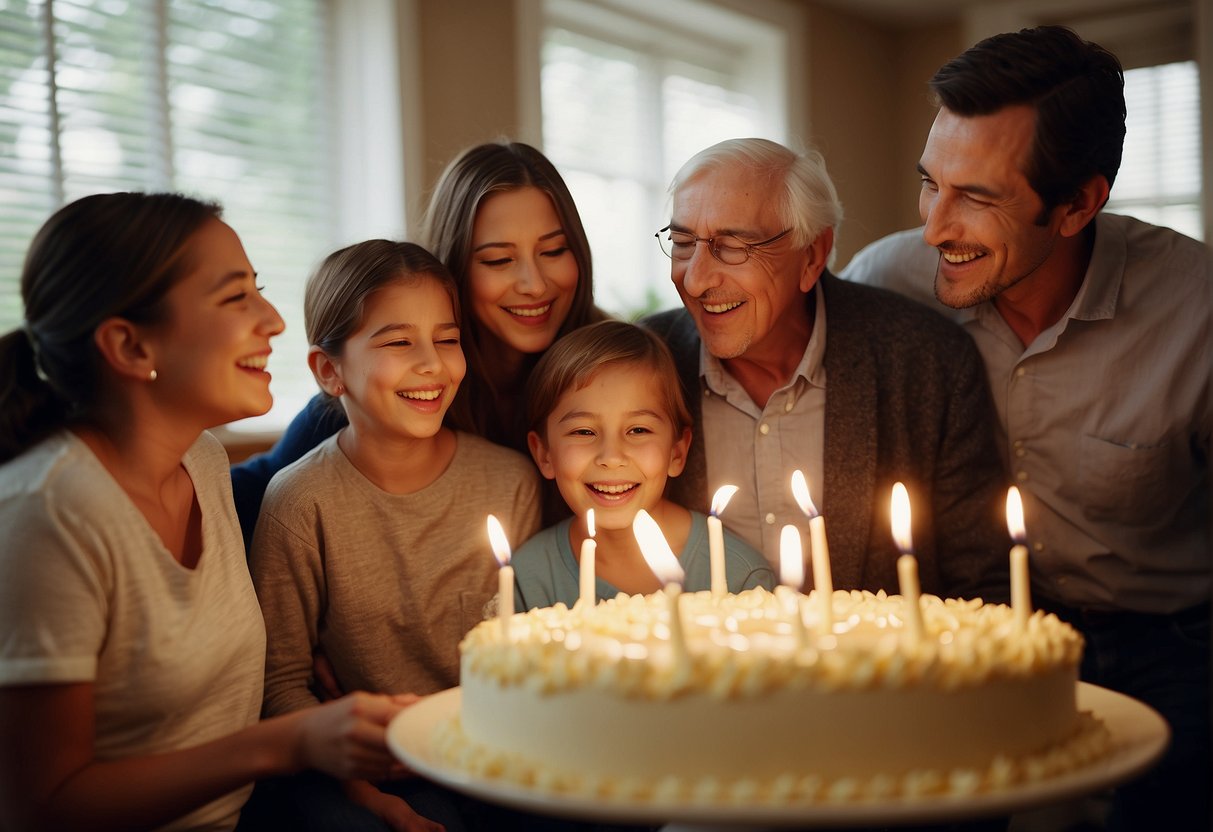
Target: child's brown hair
(571, 362)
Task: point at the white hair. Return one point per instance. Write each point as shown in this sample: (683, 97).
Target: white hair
(805, 198)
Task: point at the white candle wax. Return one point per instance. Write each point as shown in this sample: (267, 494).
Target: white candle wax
(907, 575)
(505, 598)
(720, 499)
(716, 555)
(1021, 593)
(678, 642)
(588, 550)
(823, 581)
(791, 579)
(589, 547)
(505, 575)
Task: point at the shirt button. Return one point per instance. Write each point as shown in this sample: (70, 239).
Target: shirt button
(1019, 372)
(1018, 443)
(1022, 476)
(787, 408)
(764, 428)
(770, 518)
(1020, 452)
(1040, 547)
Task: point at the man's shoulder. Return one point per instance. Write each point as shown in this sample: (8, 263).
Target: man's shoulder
(883, 312)
(901, 262)
(1157, 248)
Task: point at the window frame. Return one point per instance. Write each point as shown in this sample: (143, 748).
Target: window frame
(1137, 33)
(761, 38)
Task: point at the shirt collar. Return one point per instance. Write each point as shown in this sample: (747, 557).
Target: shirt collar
(1100, 287)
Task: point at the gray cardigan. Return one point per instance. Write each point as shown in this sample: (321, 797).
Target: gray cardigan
(906, 399)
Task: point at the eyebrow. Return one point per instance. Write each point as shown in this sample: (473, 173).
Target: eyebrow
(720, 232)
(230, 277)
(980, 190)
(386, 328)
(557, 233)
(586, 414)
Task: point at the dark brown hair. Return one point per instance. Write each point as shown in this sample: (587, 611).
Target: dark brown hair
(102, 256)
(337, 292)
(480, 171)
(1076, 88)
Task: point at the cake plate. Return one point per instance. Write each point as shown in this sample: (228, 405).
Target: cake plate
(1139, 737)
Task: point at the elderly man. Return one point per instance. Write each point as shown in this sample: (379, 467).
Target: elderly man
(1097, 334)
(788, 367)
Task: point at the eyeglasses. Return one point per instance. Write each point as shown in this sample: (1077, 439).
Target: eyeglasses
(680, 245)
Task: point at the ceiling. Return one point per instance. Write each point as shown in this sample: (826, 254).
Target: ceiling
(902, 11)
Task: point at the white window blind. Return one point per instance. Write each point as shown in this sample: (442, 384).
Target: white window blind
(625, 102)
(218, 99)
(1160, 175)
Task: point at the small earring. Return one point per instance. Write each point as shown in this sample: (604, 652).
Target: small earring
(340, 389)
(152, 376)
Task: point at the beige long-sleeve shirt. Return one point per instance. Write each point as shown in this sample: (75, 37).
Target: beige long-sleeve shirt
(386, 584)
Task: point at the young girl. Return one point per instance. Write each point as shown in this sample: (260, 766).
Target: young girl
(504, 223)
(372, 547)
(132, 656)
(609, 425)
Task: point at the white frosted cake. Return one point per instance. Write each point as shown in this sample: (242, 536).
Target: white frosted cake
(741, 705)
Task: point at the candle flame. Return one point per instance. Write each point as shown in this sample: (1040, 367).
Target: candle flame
(721, 498)
(589, 521)
(791, 558)
(657, 552)
(1015, 515)
(800, 490)
(497, 539)
(900, 507)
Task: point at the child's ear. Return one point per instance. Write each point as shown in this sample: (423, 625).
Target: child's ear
(678, 453)
(539, 451)
(326, 371)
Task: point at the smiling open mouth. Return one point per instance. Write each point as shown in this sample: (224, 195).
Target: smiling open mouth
(528, 311)
(614, 490)
(958, 257)
(718, 308)
(420, 395)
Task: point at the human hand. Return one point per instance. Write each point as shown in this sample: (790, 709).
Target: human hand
(393, 810)
(347, 737)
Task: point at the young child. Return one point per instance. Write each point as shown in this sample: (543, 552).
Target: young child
(372, 547)
(609, 425)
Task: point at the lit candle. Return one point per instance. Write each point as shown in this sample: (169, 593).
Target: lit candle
(907, 576)
(907, 564)
(716, 539)
(661, 559)
(588, 549)
(791, 578)
(1021, 593)
(505, 575)
(823, 581)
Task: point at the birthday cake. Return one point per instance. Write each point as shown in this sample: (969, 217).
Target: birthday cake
(741, 702)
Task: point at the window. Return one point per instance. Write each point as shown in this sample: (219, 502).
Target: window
(1160, 177)
(627, 97)
(222, 100)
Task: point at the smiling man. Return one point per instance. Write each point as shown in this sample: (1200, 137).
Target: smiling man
(1097, 334)
(892, 392)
